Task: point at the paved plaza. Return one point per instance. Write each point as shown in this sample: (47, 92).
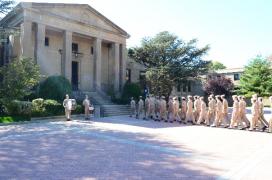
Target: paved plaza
(126, 148)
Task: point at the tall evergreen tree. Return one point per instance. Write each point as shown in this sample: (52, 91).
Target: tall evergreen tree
(257, 78)
(169, 60)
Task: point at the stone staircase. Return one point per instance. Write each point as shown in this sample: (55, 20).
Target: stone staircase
(107, 107)
(115, 110)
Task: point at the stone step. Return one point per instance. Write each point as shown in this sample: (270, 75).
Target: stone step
(115, 110)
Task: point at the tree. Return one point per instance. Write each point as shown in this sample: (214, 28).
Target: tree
(5, 6)
(18, 78)
(218, 86)
(169, 60)
(215, 65)
(257, 78)
(61, 87)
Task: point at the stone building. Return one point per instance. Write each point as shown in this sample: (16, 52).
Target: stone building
(73, 40)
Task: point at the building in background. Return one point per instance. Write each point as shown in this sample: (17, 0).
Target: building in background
(135, 73)
(73, 40)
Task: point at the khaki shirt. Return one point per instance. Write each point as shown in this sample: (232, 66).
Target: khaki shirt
(86, 103)
(203, 106)
(242, 106)
(219, 106)
(141, 104)
(132, 104)
(170, 106)
(176, 106)
(162, 105)
(225, 105)
(190, 106)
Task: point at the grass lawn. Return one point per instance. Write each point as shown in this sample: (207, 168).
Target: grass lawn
(10, 119)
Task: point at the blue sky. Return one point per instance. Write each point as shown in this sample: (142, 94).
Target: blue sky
(236, 30)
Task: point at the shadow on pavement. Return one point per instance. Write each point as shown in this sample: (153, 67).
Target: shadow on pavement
(79, 151)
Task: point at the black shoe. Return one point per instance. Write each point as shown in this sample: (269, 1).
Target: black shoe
(171, 121)
(165, 121)
(264, 128)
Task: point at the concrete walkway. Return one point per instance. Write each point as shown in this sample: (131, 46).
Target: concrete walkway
(126, 148)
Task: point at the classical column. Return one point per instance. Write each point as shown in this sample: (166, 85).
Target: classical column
(123, 65)
(67, 55)
(39, 43)
(98, 63)
(26, 39)
(116, 67)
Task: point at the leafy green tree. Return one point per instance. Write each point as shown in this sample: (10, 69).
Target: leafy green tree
(215, 65)
(18, 78)
(169, 60)
(5, 6)
(257, 78)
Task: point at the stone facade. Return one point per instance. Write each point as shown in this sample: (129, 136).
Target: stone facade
(73, 40)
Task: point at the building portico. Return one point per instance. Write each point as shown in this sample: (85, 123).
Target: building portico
(72, 40)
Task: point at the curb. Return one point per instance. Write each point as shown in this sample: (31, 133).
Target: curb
(42, 119)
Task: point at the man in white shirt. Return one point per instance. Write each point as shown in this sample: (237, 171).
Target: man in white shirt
(67, 104)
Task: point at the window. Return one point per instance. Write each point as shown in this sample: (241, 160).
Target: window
(179, 87)
(74, 47)
(189, 86)
(46, 41)
(236, 77)
(128, 75)
(184, 88)
(92, 50)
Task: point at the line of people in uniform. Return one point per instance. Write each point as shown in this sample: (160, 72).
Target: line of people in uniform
(195, 110)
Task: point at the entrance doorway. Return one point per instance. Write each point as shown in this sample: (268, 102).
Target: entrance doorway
(74, 75)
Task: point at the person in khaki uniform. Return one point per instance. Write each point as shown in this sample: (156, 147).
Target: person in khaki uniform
(140, 113)
(152, 107)
(147, 107)
(255, 110)
(132, 107)
(67, 104)
(157, 108)
(242, 111)
(263, 123)
(170, 109)
(224, 110)
(86, 103)
(218, 112)
(235, 112)
(203, 112)
(197, 107)
(163, 114)
(189, 113)
(211, 111)
(176, 116)
(213, 107)
(183, 108)
(241, 122)
(270, 120)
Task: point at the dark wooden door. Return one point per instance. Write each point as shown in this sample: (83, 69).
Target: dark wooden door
(75, 75)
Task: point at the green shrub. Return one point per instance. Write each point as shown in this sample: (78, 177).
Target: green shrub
(10, 119)
(131, 90)
(22, 108)
(55, 87)
(47, 107)
(79, 110)
(53, 107)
